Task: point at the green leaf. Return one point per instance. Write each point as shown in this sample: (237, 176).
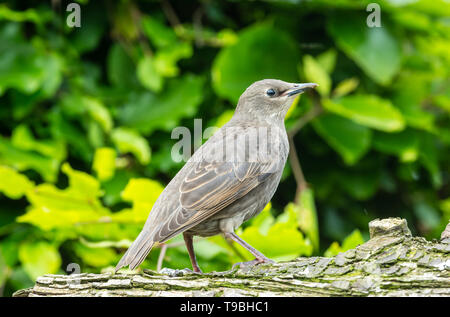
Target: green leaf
(350, 242)
(208, 250)
(23, 103)
(293, 108)
(148, 74)
(307, 216)
(76, 105)
(143, 193)
(53, 65)
(345, 87)
(19, 279)
(445, 206)
(427, 215)
(147, 112)
(224, 118)
(121, 69)
(443, 102)
(95, 134)
(97, 111)
(96, 257)
(52, 207)
(13, 184)
(349, 139)
(29, 15)
(315, 73)
(404, 144)
(22, 138)
(160, 34)
(104, 163)
(368, 110)
(264, 220)
(166, 59)
(127, 140)
(327, 60)
(361, 185)
(23, 160)
(25, 66)
(375, 50)
(233, 71)
(4, 271)
(411, 89)
(413, 20)
(93, 27)
(125, 22)
(114, 186)
(273, 243)
(429, 158)
(68, 132)
(9, 249)
(142, 190)
(81, 185)
(39, 258)
(333, 250)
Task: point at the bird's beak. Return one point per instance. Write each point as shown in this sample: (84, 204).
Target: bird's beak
(299, 88)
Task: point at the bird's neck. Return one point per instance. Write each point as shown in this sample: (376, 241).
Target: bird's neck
(258, 118)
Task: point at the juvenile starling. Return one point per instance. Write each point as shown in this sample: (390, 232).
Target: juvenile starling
(228, 180)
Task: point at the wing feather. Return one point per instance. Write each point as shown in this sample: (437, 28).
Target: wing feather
(210, 186)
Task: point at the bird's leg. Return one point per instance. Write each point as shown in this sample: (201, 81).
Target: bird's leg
(190, 248)
(259, 257)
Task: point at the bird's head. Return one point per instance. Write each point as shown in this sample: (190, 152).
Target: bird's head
(270, 97)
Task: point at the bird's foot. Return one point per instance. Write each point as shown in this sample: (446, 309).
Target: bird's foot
(196, 270)
(250, 264)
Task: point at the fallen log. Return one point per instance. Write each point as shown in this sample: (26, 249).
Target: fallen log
(391, 263)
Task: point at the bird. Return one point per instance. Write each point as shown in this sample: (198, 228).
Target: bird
(228, 180)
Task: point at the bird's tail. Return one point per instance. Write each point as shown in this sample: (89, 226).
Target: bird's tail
(137, 252)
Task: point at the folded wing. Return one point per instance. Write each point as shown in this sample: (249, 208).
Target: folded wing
(213, 184)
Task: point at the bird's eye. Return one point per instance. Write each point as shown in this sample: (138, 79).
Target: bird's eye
(270, 92)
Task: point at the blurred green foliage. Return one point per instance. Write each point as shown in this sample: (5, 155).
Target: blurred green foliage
(86, 117)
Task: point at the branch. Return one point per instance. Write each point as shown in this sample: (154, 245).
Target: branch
(296, 169)
(391, 263)
(310, 115)
(293, 156)
(137, 18)
(162, 254)
(170, 14)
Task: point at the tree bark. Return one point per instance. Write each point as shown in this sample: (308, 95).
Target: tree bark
(391, 263)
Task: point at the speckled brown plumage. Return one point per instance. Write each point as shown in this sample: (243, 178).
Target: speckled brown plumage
(229, 179)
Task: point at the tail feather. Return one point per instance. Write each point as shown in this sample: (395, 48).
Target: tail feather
(140, 256)
(137, 252)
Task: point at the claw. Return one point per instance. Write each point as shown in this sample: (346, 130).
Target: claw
(249, 264)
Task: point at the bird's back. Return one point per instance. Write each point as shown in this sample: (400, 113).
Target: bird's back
(237, 160)
(169, 200)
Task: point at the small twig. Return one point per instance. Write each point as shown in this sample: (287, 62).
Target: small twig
(296, 169)
(197, 21)
(302, 121)
(170, 14)
(162, 254)
(136, 14)
(293, 156)
(123, 42)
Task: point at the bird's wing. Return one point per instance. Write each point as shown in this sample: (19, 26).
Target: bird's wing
(212, 185)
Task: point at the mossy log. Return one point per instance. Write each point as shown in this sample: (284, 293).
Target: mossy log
(391, 263)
